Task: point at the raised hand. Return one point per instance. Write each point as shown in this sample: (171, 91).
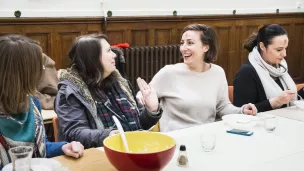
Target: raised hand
(149, 97)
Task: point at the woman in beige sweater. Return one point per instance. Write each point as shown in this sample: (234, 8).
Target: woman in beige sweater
(194, 92)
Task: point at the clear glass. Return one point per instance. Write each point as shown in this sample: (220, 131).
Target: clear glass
(21, 158)
(208, 141)
(270, 124)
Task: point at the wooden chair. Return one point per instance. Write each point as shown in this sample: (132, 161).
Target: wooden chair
(299, 86)
(230, 92)
(55, 127)
(156, 127)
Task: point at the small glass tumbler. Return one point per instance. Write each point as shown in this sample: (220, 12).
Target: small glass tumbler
(270, 124)
(208, 141)
(21, 158)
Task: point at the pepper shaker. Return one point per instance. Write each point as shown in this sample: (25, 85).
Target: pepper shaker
(182, 159)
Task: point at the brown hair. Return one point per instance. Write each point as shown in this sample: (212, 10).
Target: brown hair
(265, 35)
(208, 37)
(85, 55)
(20, 70)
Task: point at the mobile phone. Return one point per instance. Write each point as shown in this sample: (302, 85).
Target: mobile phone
(240, 132)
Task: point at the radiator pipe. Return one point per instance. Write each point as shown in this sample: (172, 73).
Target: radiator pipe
(104, 26)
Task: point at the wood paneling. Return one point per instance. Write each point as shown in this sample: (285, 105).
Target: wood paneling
(43, 39)
(116, 36)
(56, 35)
(140, 37)
(224, 49)
(295, 52)
(162, 36)
(64, 42)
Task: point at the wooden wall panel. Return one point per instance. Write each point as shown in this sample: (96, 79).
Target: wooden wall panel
(65, 41)
(140, 37)
(162, 37)
(56, 35)
(296, 61)
(178, 35)
(223, 36)
(116, 36)
(237, 56)
(43, 39)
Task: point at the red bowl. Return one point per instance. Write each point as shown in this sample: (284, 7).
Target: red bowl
(149, 151)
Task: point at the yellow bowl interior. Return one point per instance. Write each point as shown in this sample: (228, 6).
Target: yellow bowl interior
(141, 142)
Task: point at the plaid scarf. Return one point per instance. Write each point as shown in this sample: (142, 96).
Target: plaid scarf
(118, 104)
(122, 104)
(24, 129)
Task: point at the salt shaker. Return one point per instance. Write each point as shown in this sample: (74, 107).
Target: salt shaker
(182, 159)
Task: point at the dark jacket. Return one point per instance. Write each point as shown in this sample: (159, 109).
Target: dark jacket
(77, 113)
(248, 88)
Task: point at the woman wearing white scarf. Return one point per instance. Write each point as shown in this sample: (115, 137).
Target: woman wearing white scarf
(264, 79)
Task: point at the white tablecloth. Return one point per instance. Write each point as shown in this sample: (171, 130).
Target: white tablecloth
(282, 150)
(262, 150)
(48, 115)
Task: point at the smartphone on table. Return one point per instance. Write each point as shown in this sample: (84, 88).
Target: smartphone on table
(240, 132)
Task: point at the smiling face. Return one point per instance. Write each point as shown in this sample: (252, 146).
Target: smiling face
(276, 51)
(192, 48)
(107, 58)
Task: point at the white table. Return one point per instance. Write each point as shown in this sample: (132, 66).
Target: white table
(291, 112)
(290, 163)
(48, 116)
(281, 149)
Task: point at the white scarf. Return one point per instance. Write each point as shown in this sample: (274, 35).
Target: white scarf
(266, 72)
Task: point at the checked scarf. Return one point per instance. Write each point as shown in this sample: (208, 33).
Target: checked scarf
(118, 104)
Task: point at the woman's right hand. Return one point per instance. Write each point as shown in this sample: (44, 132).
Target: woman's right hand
(74, 149)
(284, 98)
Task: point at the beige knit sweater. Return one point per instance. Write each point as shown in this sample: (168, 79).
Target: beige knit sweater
(191, 98)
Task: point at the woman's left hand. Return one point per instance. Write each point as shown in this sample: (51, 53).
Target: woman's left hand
(150, 99)
(249, 109)
(73, 149)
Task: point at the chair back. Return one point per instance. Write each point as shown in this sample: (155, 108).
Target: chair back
(55, 127)
(230, 92)
(156, 127)
(299, 86)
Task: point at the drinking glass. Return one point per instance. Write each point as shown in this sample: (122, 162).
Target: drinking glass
(21, 158)
(208, 141)
(270, 124)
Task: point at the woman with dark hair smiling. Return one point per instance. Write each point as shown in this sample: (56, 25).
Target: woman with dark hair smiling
(196, 91)
(91, 91)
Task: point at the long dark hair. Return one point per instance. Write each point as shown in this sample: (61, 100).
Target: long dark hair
(264, 35)
(20, 71)
(208, 37)
(85, 55)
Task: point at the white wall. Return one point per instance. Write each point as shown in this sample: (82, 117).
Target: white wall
(76, 8)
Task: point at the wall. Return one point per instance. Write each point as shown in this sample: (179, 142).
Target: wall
(57, 34)
(74, 8)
